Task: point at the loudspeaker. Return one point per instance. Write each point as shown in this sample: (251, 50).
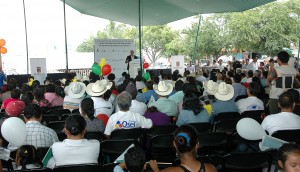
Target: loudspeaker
(258, 55)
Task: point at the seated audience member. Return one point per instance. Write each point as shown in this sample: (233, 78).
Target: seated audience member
(225, 103)
(50, 92)
(200, 77)
(25, 88)
(150, 92)
(208, 98)
(178, 96)
(96, 91)
(26, 158)
(296, 98)
(261, 95)
(186, 145)
(228, 81)
(135, 161)
(6, 92)
(157, 117)
(14, 109)
(264, 80)
(192, 110)
(136, 106)
(125, 119)
(244, 78)
(88, 112)
(289, 157)
(15, 96)
(27, 97)
(239, 89)
(286, 119)
(39, 98)
(249, 78)
(75, 149)
(251, 103)
(37, 134)
(35, 84)
(76, 93)
(59, 97)
(30, 80)
(163, 104)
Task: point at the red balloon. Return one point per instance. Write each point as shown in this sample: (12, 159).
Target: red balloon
(106, 69)
(146, 65)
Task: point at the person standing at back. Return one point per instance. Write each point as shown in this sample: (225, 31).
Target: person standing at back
(281, 78)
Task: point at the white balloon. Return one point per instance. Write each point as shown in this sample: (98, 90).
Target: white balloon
(13, 130)
(250, 129)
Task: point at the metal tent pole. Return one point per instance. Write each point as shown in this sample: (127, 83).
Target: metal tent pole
(66, 41)
(199, 23)
(26, 36)
(140, 36)
(298, 55)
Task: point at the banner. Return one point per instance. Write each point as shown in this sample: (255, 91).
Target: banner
(177, 63)
(38, 69)
(115, 52)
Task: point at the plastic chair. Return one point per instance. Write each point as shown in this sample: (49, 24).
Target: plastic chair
(58, 112)
(236, 140)
(201, 127)
(104, 118)
(226, 116)
(49, 118)
(79, 168)
(95, 135)
(57, 126)
(161, 129)
(213, 143)
(132, 133)
(75, 111)
(256, 115)
(247, 161)
(161, 148)
(227, 126)
(240, 97)
(288, 135)
(110, 150)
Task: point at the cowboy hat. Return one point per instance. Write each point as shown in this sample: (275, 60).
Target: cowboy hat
(211, 87)
(76, 89)
(163, 88)
(98, 88)
(225, 92)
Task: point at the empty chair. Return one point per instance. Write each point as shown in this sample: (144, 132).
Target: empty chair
(161, 129)
(79, 168)
(247, 161)
(57, 126)
(59, 112)
(202, 127)
(132, 133)
(288, 135)
(95, 135)
(226, 126)
(256, 115)
(213, 143)
(110, 150)
(161, 148)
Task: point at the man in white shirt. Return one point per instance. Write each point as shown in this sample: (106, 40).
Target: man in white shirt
(220, 66)
(190, 68)
(253, 65)
(250, 103)
(136, 106)
(125, 119)
(286, 119)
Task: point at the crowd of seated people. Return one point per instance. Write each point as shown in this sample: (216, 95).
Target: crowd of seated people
(103, 106)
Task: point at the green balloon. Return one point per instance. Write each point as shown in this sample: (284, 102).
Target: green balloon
(96, 69)
(146, 76)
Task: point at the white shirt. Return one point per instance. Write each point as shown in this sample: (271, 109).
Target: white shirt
(281, 121)
(136, 106)
(69, 152)
(191, 68)
(249, 104)
(253, 66)
(201, 79)
(102, 107)
(220, 67)
(126, 120)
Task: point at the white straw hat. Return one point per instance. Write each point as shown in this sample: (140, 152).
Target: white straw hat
(225, 92)
(76, 89)
(163, 88)
(98, 88)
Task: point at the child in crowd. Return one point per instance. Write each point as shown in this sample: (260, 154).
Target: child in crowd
(289, 157)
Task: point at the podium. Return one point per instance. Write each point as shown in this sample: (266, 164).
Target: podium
(134, 67)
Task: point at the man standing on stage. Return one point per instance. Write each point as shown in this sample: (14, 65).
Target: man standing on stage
(129, 58)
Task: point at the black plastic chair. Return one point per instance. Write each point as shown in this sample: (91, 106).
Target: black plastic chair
(240, 97)
(110, 150)
(201, 127)
(226, 126)
(226, 116)
(215, 143)
(95, 135)
(162, 129)
(56, 108)
(256, 115)
(79, 168)
(132, 133)
(59, 112)
(247, 161)
(236, 139)
(2, 115)
(37, 170)
(57, 126)
(288, 135)
(76, 112)
(161, 148)
(49, 118)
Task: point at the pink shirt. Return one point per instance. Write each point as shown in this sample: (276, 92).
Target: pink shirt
(50, 96)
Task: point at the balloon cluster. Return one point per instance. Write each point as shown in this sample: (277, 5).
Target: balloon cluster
(3, 50)
(101, 69)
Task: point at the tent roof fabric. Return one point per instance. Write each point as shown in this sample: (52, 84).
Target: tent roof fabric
(158, 12)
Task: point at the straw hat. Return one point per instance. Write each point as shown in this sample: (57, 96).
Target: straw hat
(225, 92)
(163, 88)
(211, 87)
(76, 89)
(98, 88)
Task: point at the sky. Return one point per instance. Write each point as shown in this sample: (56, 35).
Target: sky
(45, 28)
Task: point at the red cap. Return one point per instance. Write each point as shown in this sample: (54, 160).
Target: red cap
(15, 108)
